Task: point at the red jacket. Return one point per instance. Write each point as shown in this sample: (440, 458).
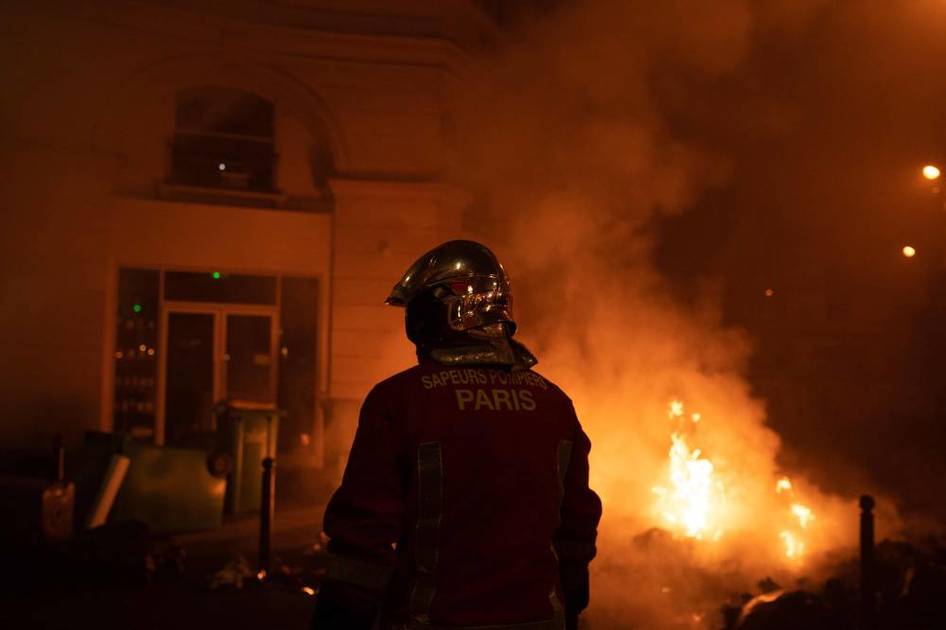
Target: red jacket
(471, 484)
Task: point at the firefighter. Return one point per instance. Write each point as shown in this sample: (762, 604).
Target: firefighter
(465, 501)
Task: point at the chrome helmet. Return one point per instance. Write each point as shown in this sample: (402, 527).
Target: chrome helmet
(464, 283)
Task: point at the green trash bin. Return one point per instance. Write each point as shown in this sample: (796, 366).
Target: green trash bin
(248, 435)
(170, 489)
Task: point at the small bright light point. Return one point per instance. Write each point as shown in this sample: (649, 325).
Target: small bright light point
(216, 275)
(909, 252)
(769, 292)
(676, 409)
(308, 590)
(931, 172)
(136, 308)
(222, 166)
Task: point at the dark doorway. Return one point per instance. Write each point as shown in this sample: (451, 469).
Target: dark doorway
(190, 376)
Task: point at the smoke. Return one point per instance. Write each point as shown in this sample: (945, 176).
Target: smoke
(564, 138)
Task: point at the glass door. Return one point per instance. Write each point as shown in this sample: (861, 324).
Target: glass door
(250, 369)
(189, 376)
(214, 353)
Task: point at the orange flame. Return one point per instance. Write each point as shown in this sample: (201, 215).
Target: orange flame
(692, 500)
(793, 543)
(794, 548)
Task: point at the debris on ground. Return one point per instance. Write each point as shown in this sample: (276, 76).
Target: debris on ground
(911, 589)
(126, 552)
(232, 574)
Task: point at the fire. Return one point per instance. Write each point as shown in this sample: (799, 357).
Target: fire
(794, 547)
(792, 541)
(803, 513)
(690, 500)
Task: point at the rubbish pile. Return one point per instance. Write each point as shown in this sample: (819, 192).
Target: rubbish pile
(911, 593)
(662, 581)
(302, 576)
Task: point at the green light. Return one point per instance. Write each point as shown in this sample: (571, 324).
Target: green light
(136, 308)
(216, 275)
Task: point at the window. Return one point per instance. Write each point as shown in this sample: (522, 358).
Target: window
(217, 286)
(224, 138)
(136, 341)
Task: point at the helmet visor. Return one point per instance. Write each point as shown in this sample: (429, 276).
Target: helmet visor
(478, 301)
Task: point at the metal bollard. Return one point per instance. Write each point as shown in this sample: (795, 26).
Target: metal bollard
(267, 508)
(59, 455)
(868, 586)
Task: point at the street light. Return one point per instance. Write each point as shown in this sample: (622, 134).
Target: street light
(909, 251)
(931, 172)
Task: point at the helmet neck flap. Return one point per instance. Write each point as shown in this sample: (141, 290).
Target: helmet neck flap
(503, 351)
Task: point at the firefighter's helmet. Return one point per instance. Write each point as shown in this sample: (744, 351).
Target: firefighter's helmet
(457, 287)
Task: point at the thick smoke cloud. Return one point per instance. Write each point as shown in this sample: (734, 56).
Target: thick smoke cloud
(569, 140)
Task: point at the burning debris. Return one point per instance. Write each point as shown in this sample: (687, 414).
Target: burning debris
(667, 583)
(693, 500)
(693, 497)
(793, 536)
(719, 518)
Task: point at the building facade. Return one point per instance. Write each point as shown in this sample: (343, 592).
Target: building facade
(207, 202)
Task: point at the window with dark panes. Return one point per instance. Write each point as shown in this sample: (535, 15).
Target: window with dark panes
(136, 360)
(223, 138)
(216, 286)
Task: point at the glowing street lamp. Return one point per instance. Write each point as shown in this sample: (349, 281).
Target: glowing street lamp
(909, 251)
(931, 172)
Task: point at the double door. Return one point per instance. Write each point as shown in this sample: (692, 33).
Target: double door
(213, 353)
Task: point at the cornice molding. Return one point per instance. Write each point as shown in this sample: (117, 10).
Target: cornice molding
(198, 28)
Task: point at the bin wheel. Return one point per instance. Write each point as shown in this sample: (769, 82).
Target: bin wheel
(219, 464)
